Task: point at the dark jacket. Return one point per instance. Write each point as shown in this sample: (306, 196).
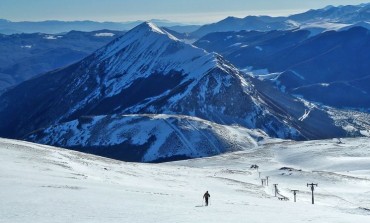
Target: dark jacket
(206, 195)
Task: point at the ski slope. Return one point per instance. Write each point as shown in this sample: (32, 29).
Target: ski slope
(47, 184)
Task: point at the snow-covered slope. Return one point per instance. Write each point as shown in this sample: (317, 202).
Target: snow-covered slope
(148, 138)
(46, 184)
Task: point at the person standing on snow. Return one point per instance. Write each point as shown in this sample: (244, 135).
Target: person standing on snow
(206, 196)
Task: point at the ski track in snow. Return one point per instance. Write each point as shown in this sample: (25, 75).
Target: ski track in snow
(47, 184)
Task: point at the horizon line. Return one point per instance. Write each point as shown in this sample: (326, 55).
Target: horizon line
(176, 18)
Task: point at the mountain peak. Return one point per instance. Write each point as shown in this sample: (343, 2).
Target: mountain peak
(150, 27)
(141, 35)
(328, 7)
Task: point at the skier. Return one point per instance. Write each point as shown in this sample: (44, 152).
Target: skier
(206, 196)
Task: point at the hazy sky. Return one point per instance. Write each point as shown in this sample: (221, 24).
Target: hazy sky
(190, 11)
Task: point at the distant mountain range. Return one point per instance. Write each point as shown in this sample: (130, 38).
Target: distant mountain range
(319, 20)
(58, 27)
(331, 68)
(149, 71)
(328, 18)
(24, 56)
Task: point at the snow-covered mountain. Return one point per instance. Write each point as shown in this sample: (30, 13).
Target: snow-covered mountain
(330, 68)
(149, 71)
(259, 23)
(347, 14)
(316, 21)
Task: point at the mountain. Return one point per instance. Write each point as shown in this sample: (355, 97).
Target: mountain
(149, 71)
(183, 28)
(57, 27)
(258, 23)
(181, 36)
(348, 14)
(325, 68)
(27, 55)
(317, 21)
(365, 25)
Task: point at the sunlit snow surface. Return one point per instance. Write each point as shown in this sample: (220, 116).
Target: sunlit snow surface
(46, 184)
(104, 34)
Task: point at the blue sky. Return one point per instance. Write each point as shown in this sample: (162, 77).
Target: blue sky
(189, 11)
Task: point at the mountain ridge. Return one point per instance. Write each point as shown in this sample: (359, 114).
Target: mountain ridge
(317, 21)
(58, 26)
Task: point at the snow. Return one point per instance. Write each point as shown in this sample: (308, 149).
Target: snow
(365, 133)
(316, 28)
(167, 135)
(269, 76)
(260, 72)
(26, 46)
(297, 74)
(104, 34)
(357, 123)
(204, 41)
(235, 45)
(305, 115)
(228, 37)
(46, 184)
(155, 28)
(147, 49)
(324, 25)
(51, 37)
(259, 48)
